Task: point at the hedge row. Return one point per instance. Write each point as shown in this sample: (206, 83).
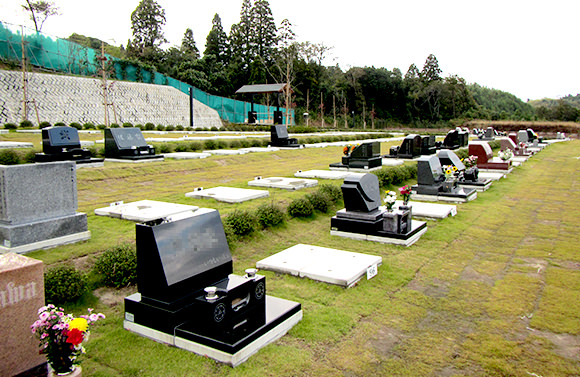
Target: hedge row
(395, 175)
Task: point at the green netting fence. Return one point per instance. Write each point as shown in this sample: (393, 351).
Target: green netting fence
(49, 53)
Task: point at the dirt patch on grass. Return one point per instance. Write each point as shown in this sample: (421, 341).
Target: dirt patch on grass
(385, 339)
(565, 345)
(470, 274)
(112, 296)
(436, 289)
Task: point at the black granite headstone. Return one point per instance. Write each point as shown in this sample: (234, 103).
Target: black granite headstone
(361, 192)
(428, 145)
(279, 137)
(363, 156)
(451, 140)
(447, 157)
(62, 143)
(127, 143)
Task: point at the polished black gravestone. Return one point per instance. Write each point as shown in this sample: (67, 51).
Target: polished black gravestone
(409, 148)
(433, 185)
(451, 141)
(62, 143)
(279, 137)
(466, 177)
(128, 144)
(188, 297)
(463, 134)
(363, 156)
(363, 218)
(428, 144)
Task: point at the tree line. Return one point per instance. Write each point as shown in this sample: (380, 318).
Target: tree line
(257, 51)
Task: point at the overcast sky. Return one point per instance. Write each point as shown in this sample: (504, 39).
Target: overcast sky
(526, 47)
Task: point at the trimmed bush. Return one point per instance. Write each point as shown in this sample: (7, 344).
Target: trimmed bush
(29, 157)
(101, 126)
(195, 146)
(160, 127)
(26, 124)
(210, 144)
(117, 267)
(170, 128)
(462, 153)
(89, 126)
(165, 148)
(44, 124)
(59, 124)
(10, 126)
(179, 128)
(222, 144)
(300, 207)
(9, 157)
(149, 126)
(320, 201)
(114, 125)
(214, 128)
(269, 215)
(235, 144)
(76, 125)
(127, 125)
(140, 126)
(245, 143)
(333, 192)
(181, 147)
(240, 222)
(63, 284)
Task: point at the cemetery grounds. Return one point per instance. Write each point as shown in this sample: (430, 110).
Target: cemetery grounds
(493, 291)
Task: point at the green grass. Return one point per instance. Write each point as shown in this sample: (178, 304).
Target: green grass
(468, 299)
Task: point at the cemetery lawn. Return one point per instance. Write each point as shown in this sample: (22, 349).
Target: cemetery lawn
(493, 291)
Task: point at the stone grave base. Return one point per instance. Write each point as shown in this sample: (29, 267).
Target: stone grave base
(228, 194)
(186, 155)
(428, 210)
(481, 185)
(418, 228)
(281, 316)
(225, 152)
(262, 149)
(144, 210)
(322, 174)
(323, 264)
(504, 171)
(354, 170)
(444, 198)
(136, 161)
(520, 159)
(491, 175)
(392, 161)
(283, 183)
(15, 144)
(44, 234)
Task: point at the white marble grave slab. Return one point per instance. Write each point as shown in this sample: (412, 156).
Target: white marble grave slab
(186, 155)
(15, 144)
(356, 170)
(415, 224)
(322, 174)
(144, 210)
(491, 175)
(340, 267)
(429, 210)
(283, 183)
(260, 149)
(225, 152)
(392, 161)
(228, 194)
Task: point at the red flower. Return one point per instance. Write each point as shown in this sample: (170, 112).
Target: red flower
(74, 336)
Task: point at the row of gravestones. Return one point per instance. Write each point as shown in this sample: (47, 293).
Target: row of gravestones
(418, 145)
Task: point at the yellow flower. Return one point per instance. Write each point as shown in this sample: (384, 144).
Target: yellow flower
(448, 171)
(454, 168)
(79, 323)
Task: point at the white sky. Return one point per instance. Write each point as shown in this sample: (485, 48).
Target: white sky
(526, 47)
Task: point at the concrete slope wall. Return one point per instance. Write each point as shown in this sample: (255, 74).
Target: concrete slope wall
(79, 99)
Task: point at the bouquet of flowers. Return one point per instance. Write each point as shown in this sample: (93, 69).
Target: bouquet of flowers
(449, 171)
(505, 154)
(390, 199)
(61, 336)
(346, 149)
(405, 191)
(470, 161)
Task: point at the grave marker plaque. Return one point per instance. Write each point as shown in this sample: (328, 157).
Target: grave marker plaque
(127, 143)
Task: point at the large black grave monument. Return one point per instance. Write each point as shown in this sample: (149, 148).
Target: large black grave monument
(466, 177)
(364, 218)
(128, 144)
(432, 184)
(188, 297)
(279, 137)
(363, 156)
(411, 147)
(451, 140)
(62, 143)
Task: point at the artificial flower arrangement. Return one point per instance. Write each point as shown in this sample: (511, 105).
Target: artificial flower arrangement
(405, 192)
(390, 199)
(505, 154)
(61, 336)
(470, 161)
(449, 171)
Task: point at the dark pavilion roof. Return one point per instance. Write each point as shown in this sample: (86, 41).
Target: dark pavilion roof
(262, 88)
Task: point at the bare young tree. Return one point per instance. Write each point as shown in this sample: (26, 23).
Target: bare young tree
(39, 11)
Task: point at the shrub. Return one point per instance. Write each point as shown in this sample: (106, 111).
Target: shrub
(101, 126)
(170, 128)
(9, 157)
(181, 147)
(127, 125)
(269, 215)
(195, 146)
(222, 144)
(333, 192)
(255, 142)
(235, 144)
(10, 126)
(383, 176)
(160, 127)
(76, 125)
(140, 126)
(245, 143)
(89, 126)
(411, 170)
(462, 153)
(26, 124)
(397, 175)
(114, 125)
(149, 126)
(117, 267)
(210, 144)
(214, 128)
(494, 144)
(241, 222)
(29, 157)
(63, 284)
(300, 207)
(165, 148)
(320, 202)
(59, 124)
(44, 124)
(179, 128)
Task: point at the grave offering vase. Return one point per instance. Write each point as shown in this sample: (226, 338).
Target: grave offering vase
(59, 358)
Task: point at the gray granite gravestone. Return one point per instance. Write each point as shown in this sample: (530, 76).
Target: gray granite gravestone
(38, 205)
